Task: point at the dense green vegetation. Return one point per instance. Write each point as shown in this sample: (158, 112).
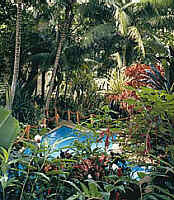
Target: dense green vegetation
(104, 64)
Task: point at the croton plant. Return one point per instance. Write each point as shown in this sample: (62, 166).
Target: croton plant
(139, 75)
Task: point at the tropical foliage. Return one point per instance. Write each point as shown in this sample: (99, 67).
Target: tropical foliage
(9, 128)
(110, 64)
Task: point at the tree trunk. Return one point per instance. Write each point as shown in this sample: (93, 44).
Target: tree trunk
(68, 21)
(66, 87)
(56, 64)
(17, 52)
(43, 86)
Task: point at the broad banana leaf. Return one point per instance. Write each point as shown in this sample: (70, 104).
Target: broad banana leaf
(9, 127)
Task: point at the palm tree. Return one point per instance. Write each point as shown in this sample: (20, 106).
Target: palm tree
(67, 23)
(120, 24)
(136, 21)
(17, 52)
(55, 68)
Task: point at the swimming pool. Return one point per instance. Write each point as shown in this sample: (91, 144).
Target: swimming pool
(65, 136)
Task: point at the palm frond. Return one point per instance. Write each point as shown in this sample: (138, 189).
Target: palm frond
(97, 10)
(162, 21)
(118, 59)
(132, 3)
(3, 88)
(97, 33)
(153, 43)
(159, 3)
(135, 34)
(123, 20)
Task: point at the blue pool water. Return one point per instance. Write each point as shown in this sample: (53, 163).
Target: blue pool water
(64, 137)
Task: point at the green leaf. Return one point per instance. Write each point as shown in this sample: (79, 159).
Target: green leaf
(43, 175)
(109, 187)
(5, 155)
(14, 161)
(95, 183)
(135, 34)
(163, 197)
(106, 195)
(141, 174)
(72, 184)
(150, 197)
(54, 172)
(163, 191)
(84, 188)
(9, 128)
(93, 189)
(75, 196)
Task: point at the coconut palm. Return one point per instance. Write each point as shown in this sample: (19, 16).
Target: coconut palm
(17, 51)
(117, 26)
(135, 21)
(55, 68)
(67, 24)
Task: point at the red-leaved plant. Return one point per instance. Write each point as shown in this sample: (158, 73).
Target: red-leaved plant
(138, 77)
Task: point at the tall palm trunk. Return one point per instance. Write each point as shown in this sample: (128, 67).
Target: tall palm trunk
(17, 52)
(43, 85)
(68, 20)
(56, 64)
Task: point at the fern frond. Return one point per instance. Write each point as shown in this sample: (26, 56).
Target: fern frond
(135, 34)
